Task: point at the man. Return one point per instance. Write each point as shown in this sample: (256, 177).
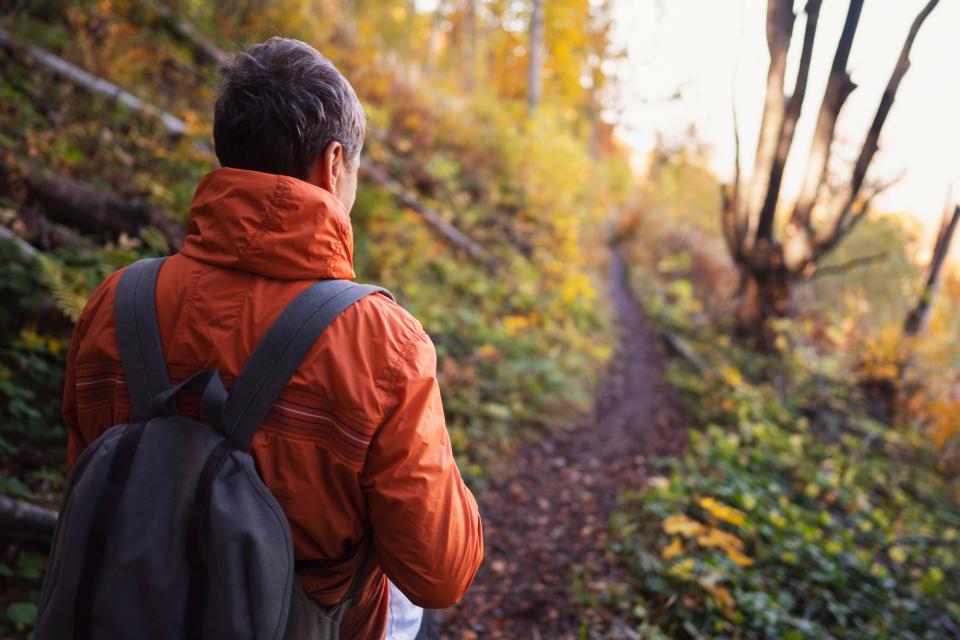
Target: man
(357, 442)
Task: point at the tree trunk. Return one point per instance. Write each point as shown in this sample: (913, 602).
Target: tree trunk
(917, 319)
(535, 70)
(780, 19)
(769, 209)
(470, 45)
(767, 287)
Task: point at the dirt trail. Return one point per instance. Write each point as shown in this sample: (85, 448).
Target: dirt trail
(549, 516)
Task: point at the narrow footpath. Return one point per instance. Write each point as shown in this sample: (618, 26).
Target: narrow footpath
(548, 519)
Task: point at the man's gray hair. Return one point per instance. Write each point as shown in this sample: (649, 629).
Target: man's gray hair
(280, 104)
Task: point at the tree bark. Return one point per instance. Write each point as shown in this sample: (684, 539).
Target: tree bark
(769, 209)
(86, 208)
(767, 289)
(870, 144)
(780, 18)
(470, 45)
(920, 314)
(535, 70)
(839, 87)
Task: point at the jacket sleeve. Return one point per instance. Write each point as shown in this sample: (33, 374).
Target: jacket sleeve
(75, 441)
(427, 531)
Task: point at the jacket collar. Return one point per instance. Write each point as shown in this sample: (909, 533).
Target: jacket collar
(269, 225)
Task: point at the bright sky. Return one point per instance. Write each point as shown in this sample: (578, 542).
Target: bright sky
(713, 50)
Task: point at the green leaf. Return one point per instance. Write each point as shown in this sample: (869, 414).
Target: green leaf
(21, 613)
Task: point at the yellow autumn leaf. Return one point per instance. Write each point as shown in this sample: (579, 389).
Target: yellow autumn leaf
(777, 519)
(731, 376)
(897, 554)
(680, 524)
(486, 351)
(723, 512)
(721, 596)
(673, 549)
(683, 569)
(718, 538)
(739, 558)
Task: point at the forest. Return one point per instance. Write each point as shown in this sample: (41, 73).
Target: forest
(690, 404)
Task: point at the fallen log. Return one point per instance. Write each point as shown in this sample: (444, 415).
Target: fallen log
(27, 251)
(678, 347)
(203, 49)
(434, 220)
(86, 208)
(173, 125)
(24, 522)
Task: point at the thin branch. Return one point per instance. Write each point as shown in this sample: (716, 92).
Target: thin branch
(843, 267)
(845, 222)
(678, 347)
(728, 221)
(780, 19)
(172, 125)
(203, 49)
(921, 311)
(870, 144)
(839, 87)
(737, 222)
(769, 209)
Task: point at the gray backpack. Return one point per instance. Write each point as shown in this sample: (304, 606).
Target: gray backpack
(167, 531)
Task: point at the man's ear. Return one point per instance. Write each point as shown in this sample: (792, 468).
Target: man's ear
(328, 170)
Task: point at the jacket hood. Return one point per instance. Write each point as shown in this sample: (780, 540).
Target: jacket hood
(269, 225)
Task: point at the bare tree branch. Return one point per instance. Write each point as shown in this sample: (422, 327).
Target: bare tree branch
(204, 50)
(839, 87)
(172, 125)
(728, 220)
(870, 144)
(769, 208)
(433, 219)
(780, 18)
(737, 223)
(853, 263)
(920, 313)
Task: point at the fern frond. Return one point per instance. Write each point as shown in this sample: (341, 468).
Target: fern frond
(69, 300)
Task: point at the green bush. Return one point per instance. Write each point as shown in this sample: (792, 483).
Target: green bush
(791, 515)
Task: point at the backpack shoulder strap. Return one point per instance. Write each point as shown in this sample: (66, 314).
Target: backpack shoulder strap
(138, 335)
(281, 350)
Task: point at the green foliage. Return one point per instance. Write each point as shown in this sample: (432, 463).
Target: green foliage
(20, 572)
(792, 515)
(519, 349)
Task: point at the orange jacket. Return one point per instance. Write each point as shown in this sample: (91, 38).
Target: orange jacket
(357, 437)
